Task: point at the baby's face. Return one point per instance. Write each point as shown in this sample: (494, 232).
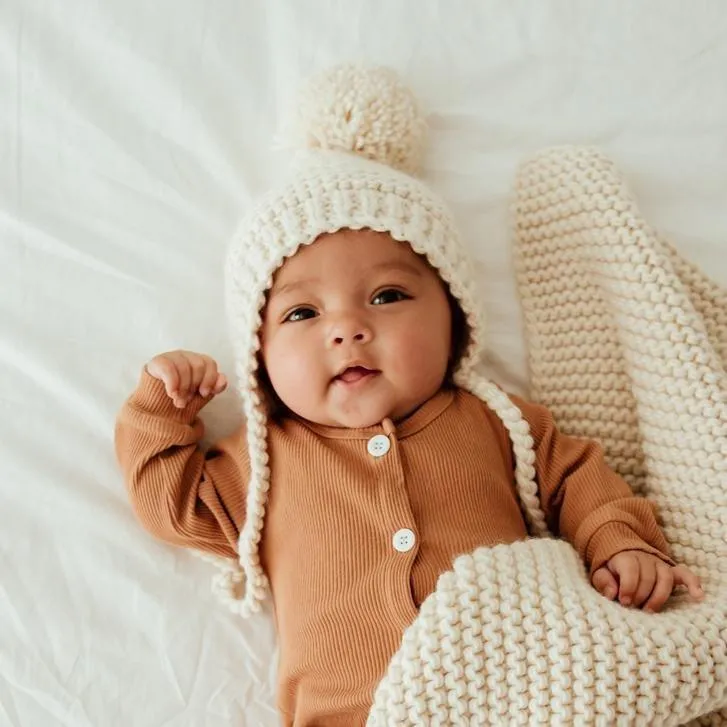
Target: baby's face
(357, 328)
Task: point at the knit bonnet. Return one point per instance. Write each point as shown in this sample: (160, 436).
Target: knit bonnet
(358, 137)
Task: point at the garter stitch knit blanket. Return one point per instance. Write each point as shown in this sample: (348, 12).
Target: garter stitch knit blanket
(627, 345)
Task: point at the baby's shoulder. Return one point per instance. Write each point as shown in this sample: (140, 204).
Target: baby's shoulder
(469, 406)
(500, 407)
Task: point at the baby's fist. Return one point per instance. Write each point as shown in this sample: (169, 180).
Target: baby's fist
(185, 373)
(643, 580)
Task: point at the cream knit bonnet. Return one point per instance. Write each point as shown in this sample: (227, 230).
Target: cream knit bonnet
(358, 135)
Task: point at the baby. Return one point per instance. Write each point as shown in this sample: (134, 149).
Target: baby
(373, 455)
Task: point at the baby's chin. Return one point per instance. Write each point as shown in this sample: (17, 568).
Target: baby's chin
(368, 413)
(362, 415)
(358, 410)
(366, 409)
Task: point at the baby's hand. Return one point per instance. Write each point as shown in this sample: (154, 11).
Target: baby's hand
(642, 579)
(185, 373)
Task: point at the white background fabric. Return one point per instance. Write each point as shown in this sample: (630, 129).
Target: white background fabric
(132, 136)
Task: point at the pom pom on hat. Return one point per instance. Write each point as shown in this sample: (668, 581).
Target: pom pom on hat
(361, 110)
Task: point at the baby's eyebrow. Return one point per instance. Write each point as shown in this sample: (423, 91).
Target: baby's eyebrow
(293, 285)
(400, 265)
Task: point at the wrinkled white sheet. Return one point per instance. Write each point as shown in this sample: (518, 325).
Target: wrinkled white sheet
(132, 135)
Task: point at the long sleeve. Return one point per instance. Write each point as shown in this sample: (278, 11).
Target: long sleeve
(180, 493)
(585, 501)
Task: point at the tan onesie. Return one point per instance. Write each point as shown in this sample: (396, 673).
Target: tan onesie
(361, 522)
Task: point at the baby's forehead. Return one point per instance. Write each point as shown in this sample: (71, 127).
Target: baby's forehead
(351, 252)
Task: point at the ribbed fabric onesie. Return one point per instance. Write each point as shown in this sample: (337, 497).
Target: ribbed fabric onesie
(361, 522)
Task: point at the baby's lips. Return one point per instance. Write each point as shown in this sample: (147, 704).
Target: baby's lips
(355, 373)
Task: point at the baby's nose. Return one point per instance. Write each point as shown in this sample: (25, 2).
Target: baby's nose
(350, 331)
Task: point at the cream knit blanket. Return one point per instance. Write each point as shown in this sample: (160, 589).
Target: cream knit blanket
(627, 345)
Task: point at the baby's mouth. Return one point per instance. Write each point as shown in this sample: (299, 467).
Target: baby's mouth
(354, 374)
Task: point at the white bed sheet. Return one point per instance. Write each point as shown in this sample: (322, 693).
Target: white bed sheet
(132, 136)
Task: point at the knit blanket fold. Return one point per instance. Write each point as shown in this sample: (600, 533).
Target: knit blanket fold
(628, 345)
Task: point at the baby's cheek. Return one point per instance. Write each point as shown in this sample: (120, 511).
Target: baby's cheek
(432, 341)
(291, 372)
(299, 379)
(423, 354)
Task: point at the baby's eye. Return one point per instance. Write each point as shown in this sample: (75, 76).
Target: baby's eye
(300, 314)
(389, 296)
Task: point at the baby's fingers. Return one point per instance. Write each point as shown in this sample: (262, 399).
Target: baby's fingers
(181, 394)
(684, 577)
(164, 370)
(605, 583)
(648, 575)
(220, 384)
(662, 589)
(198, 364)
(209, 380)
(625, 565)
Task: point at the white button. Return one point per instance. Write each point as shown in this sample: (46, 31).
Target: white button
(404, 540)
(379, 445)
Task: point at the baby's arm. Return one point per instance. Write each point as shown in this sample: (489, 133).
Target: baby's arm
(615, 532)
(180, 493)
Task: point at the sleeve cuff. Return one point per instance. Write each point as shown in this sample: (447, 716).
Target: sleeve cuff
(615, 537)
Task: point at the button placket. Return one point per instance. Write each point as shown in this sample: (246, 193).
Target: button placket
(398, 519)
